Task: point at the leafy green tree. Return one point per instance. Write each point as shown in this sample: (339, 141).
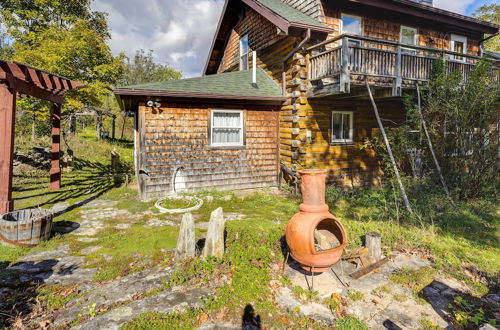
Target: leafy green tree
(143, 69)
(66, 38)
(490, 13)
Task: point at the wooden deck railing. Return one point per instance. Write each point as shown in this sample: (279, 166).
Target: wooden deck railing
(400, 65)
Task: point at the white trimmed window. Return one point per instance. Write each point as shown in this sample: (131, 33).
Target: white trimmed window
(458, 45)
(342, 126)
(244, 51)
(408, 37)
(227, 128)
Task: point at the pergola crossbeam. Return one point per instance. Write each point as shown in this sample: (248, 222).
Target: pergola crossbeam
(20, 79)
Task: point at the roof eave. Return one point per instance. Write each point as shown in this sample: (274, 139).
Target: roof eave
(156, 93)
(423, 11)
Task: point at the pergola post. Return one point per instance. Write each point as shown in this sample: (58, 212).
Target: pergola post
(55, 170)
(7, 122)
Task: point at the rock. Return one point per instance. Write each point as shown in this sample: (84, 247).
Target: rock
(89, 228)
(123, 226)
(99, 204)
(318, 312)
(104, 213)
(234, 216)
(218, 325)
(89, 250)
(87, 239)
(163, 302)
(209, 199)
(67, 270)
(186, 243)
(60, 207)
(61, 251)
(114, 293)
(487, 327)
(325, 283)
(214, 243)
(155, 222)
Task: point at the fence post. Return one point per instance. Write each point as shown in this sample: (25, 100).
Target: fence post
(396, 91)
(345, 75)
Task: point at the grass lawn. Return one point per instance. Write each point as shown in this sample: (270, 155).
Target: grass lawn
(462, 241)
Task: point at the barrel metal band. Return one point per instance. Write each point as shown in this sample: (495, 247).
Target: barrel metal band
(5, 239)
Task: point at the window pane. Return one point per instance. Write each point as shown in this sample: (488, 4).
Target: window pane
(227, 119)
(351, 25)
(244, 62)
(459, 47)
(226, 135)
(407, 36)
(244, 45)
(337, 126)
(346, 121)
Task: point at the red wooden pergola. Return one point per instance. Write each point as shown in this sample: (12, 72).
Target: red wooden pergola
(20, 79)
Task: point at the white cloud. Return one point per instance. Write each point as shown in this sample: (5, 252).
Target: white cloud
(179, 32)
(457, 6)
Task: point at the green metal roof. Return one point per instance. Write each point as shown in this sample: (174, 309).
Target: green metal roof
(238, 83)
(289, 13)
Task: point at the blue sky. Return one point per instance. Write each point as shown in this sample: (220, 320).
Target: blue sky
(180, 32)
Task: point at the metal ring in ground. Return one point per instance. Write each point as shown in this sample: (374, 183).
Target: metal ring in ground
(199, 203)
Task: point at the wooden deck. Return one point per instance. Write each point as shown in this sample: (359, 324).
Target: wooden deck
(336, 64)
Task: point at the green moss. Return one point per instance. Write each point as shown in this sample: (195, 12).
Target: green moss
(350, 323)
(187, 320)
(415, 279)
(355, 295)
(57, 297)
(135, 250)
(172, 204)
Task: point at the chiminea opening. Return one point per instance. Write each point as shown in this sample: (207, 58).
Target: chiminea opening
(327, 235)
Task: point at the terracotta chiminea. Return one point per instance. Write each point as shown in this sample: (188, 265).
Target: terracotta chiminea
(314, 216)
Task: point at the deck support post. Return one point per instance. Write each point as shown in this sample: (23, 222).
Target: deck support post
(396, 90)
(7, 124)
(55, 170)
(345, 75)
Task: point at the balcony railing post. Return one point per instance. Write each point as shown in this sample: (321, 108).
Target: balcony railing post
(345, 76)
(396, 91)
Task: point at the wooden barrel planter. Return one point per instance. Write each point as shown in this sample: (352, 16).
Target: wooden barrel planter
(25, 228)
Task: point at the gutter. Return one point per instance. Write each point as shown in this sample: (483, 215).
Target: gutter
(287, 57)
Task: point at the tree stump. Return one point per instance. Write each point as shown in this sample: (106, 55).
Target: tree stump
(373, 241)
(214, 243)
(186, 244)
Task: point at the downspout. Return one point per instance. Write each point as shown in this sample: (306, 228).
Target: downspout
(287, 57)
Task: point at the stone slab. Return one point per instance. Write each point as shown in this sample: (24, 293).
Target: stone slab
(163, 302)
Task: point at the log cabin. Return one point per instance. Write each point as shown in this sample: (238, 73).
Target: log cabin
(284, 87)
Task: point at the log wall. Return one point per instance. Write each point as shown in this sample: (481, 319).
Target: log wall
(348, 163)
(178, 135)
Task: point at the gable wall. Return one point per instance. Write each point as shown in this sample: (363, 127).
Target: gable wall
(261, 34)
